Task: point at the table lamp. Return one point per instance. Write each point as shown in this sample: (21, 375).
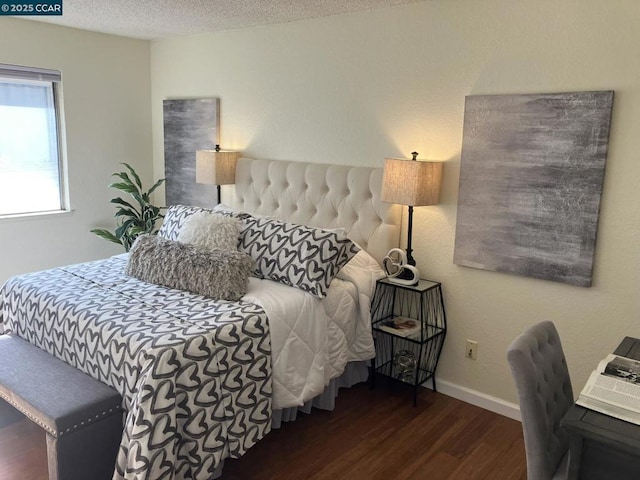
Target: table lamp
(413, 183)
(216, 167)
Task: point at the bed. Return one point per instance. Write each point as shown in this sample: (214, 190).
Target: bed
(204, 380)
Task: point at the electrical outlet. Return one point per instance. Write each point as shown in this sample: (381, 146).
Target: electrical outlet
(471, 350)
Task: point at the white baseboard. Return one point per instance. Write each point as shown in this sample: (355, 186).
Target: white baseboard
(478, 399)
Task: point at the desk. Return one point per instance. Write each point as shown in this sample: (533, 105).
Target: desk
(604, 447)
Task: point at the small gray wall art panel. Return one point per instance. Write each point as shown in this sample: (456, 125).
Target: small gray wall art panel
(531, 176)
(189, 125)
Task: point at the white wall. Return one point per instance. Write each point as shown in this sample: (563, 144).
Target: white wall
(355, 88)
(105, 82)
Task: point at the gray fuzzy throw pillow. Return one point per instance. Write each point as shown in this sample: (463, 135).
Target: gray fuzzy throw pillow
(219, 274)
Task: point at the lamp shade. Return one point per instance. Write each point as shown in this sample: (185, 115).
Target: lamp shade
(410, 182)
(216, 167)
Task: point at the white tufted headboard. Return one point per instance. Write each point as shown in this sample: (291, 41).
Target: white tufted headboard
(320, 195)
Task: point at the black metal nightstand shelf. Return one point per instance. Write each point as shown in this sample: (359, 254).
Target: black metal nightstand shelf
(411, 359)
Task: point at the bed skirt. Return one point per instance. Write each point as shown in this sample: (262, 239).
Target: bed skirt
(354, 372)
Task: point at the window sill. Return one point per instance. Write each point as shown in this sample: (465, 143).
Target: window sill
(36, 215)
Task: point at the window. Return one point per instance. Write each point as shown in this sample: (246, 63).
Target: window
(31, 168)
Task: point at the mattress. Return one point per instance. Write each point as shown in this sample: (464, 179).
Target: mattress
(312, 340)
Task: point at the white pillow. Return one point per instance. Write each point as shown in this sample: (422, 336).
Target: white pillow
(222, 208)
(211, 230)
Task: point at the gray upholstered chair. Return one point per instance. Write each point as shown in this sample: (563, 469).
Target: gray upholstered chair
(544, 388)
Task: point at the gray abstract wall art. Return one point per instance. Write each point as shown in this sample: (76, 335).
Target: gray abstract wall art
(189, 125)
(531, 175)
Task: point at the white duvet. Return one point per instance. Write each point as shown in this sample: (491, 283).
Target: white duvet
(312, 340)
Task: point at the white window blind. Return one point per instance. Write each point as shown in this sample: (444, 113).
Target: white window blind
(31, 173)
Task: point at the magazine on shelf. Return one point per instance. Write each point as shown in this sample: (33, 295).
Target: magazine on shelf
(402, 326)
(614, 389)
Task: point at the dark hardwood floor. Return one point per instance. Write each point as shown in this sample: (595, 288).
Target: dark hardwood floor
(23, 452)
(378, 434)
(372, 434)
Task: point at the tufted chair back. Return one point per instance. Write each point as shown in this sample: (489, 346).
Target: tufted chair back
(544, 388)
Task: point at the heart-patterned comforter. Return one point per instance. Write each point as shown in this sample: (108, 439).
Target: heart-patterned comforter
(194, 374)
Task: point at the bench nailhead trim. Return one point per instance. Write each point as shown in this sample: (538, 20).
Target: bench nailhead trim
(28, 415)
(106, 413)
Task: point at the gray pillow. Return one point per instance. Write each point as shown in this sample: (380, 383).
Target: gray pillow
(211, 230)
(219, 274)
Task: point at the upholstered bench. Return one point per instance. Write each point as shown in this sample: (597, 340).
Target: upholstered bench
(81, 416)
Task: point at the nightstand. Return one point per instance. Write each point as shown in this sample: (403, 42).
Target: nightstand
(409, 358)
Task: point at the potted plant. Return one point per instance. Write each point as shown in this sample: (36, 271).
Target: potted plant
(133, 219)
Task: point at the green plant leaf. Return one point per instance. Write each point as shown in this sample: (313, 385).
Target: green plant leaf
(125, 212)
(124, 177)
(127, 243)
(156, 185)
(107, 235)
(136, 230)
(132, 220)
(122, 229)
(120, 201)
(125, 187)
(131, 189)
(133, 174)
(139, 199)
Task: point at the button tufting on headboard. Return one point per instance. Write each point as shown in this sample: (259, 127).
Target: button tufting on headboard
(320, 195)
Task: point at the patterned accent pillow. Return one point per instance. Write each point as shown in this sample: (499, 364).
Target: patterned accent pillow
(174, 219)
(303, 257)
(211, 230)
(219, 274)
(177, 214)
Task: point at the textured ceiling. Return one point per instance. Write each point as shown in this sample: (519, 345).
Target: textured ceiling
(153, 19)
